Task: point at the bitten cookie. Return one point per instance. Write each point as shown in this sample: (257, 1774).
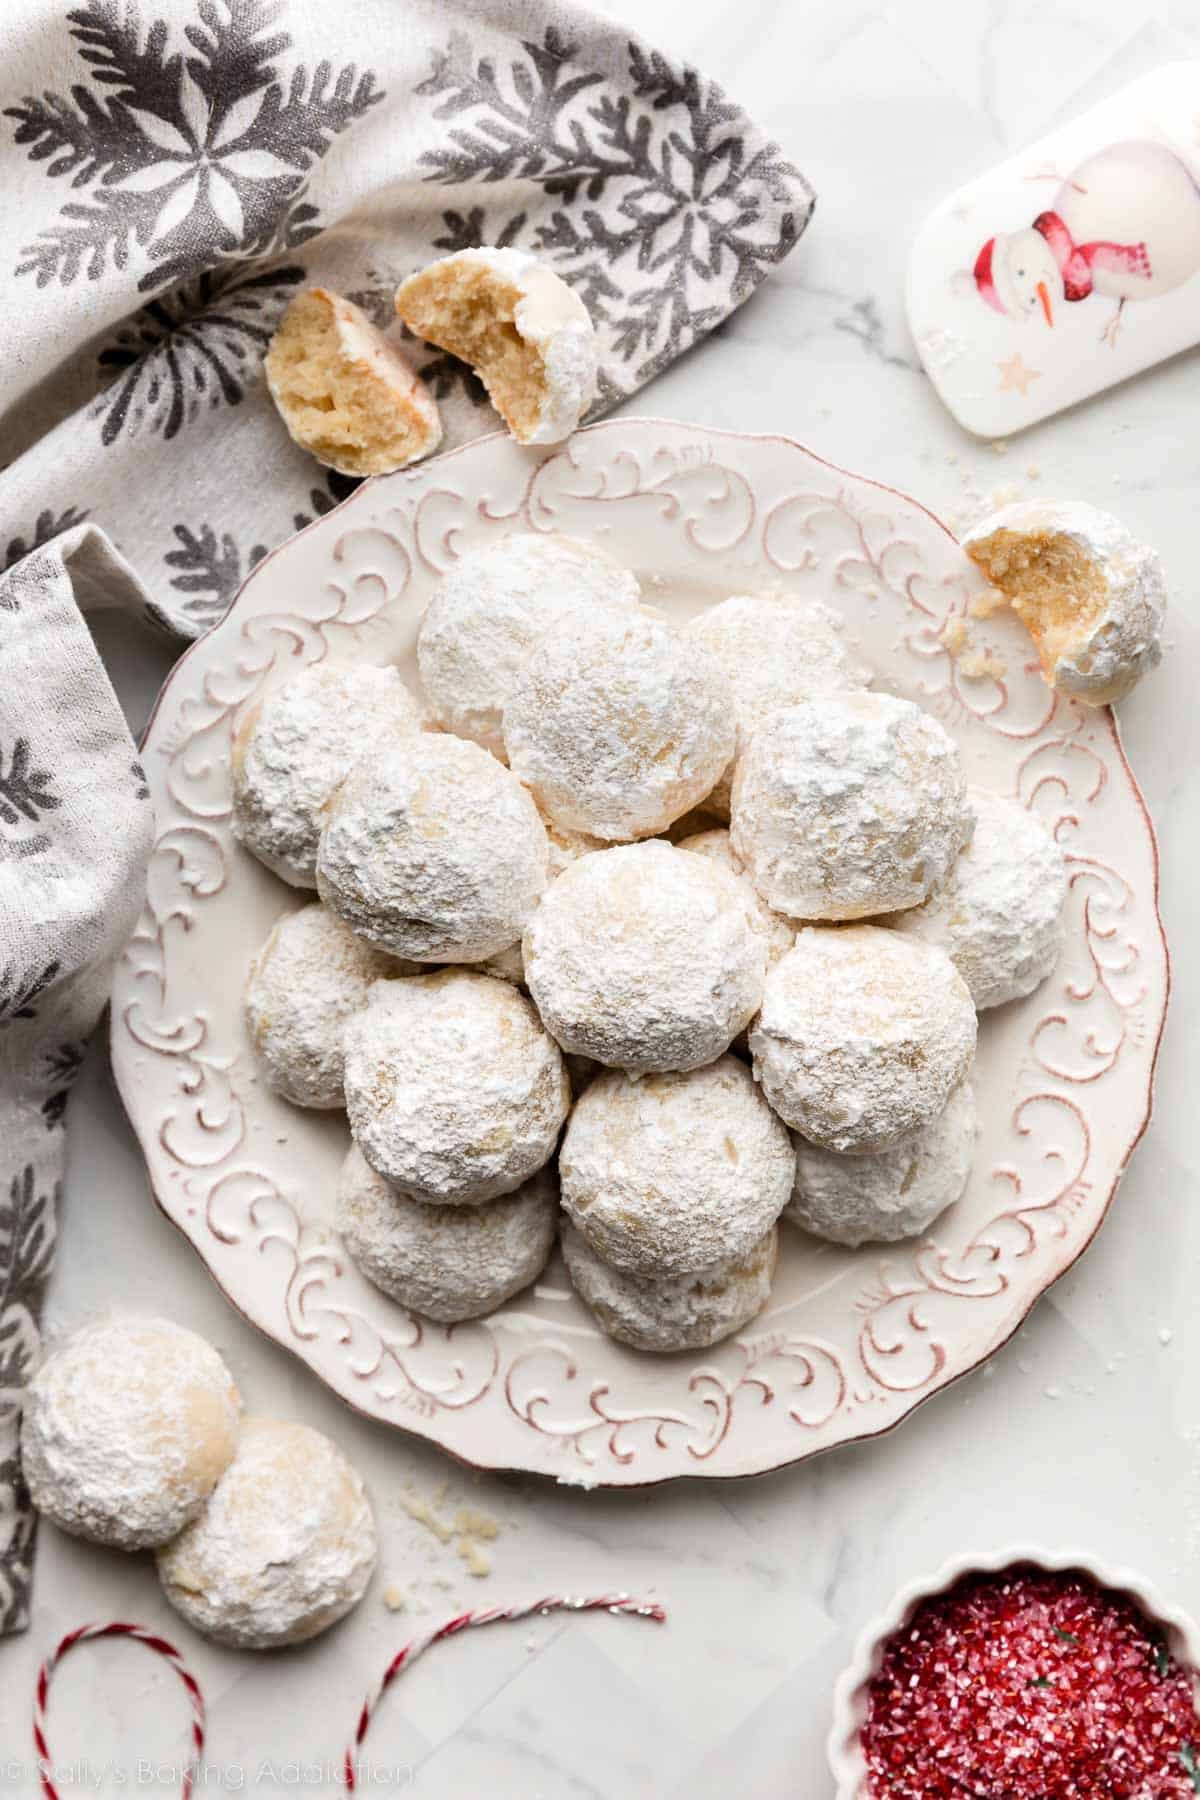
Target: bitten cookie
(849, 806)
(283, 1549)
(675, 1175)
(618, 724)
(1091, 597)
(887, 1194)
(433, 851)
(526, 334)
(295, 747)
(128, 1426)
(311, 975)
(344, 392)
(455, 1090)
(999, 913)
(862, 1036)
(446, 1262)
(687, 1312)
(492, 606)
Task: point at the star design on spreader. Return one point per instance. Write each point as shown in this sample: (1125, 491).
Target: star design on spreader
(1015, 377)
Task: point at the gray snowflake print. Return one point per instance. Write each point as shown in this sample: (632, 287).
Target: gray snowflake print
(673, 216)
(201, 345)
(189, 157)
(209, 569)
(47, 525)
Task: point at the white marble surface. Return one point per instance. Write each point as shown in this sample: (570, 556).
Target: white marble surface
(1085, 1429)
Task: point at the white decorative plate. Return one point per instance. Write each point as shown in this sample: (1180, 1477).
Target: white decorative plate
(852, 1341)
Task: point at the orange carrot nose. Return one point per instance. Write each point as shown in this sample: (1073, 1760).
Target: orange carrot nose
(1043, 294)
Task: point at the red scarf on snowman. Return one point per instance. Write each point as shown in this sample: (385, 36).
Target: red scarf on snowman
(1076, 261)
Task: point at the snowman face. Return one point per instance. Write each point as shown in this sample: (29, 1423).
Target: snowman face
(1028, 277)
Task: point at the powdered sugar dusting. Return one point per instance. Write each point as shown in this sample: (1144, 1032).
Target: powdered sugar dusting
(685, 1312)
(128, 1425)
(644, 957)
(999, 915)
(849, 806)
(862, 1035)
(455, 1090)
(297, 745)
(447, 1262)
(675, 1174)
(491, 607)
(284, 1548)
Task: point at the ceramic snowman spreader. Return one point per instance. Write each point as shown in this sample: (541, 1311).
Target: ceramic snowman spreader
(1069, 268)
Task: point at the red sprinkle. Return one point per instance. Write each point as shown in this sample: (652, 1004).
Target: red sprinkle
(1026, 1685)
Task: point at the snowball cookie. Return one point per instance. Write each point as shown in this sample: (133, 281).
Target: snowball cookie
(717, 846)
(849, 806)
(862, 1035)
(128, 1426)
(446, 1262)
(618, 724)
(999, 915)
(646, 958)
(776, 650)
(525, 333)
(887, 1194)
(675, 1174)
(684, 1312)
(284, 1548)
(455, 1091)
(491, 607)
(433, 851)
(1091, 597)
(294, 748)
(565, 847)
(310, 976)
(344, 393)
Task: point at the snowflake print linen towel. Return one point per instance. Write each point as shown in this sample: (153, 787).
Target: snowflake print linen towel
(174, 170)
(75, 833)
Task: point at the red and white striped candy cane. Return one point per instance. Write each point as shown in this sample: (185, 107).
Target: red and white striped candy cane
(139, 1635)
(492, 1615)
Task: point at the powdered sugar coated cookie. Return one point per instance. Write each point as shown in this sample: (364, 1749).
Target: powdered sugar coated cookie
(492, 606)
(434, 851)
(684, 1312)
(283, 1549)
(646, 958)
(618, 724)
(673, 1175)
(776, 650)
(295, 747)
(311, 975)
(128, 1425)
(862, 1036)
(446, 1262)
(455, 1091)
(887, 1194)
(849, 806)
(717, 845)
(527, 335)
(999, 913)
(1091, 596)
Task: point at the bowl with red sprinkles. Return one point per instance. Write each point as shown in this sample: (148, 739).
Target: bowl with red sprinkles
(1022, 1675)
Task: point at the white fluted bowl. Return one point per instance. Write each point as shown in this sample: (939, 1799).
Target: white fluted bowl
(850, 1695)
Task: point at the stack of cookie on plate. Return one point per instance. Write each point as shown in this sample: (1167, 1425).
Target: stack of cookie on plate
(639, 935)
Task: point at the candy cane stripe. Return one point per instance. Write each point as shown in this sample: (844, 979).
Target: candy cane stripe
(114, 1629)
(617, 1604)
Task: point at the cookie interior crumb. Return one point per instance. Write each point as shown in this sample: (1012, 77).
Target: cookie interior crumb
(470, 311)
(1054, 588)
(344, 393)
